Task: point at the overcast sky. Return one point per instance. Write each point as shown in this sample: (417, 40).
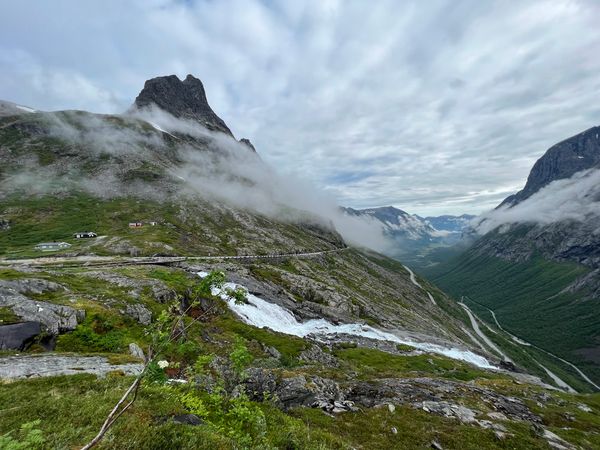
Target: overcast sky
(431, 106)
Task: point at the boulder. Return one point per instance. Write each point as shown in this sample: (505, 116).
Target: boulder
(507, 365)
(316, 392)
(258, 382)
(139, 312)
(19, 336)
(136, 351)
(272, 351)
(294, 392)
(56, 318)
(462, 413)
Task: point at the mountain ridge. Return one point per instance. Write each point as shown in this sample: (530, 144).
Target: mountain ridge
(562, 160)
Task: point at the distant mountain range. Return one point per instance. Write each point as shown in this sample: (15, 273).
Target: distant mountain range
(453, 224)
(411, 234)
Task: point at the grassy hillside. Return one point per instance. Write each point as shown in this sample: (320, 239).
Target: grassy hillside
(70, 409)
(184, 227)
(528, 300)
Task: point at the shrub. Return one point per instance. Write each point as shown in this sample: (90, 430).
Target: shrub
(240, 357)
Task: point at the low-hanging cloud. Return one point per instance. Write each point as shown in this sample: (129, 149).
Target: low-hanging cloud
(237, 175)
(576, 198)
(197, 161)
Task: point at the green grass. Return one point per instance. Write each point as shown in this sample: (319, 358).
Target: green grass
(287, 345)
(174, 279)
(102, 331)
(7, 316)
(71, 410)
(372, 429)
(377, 364)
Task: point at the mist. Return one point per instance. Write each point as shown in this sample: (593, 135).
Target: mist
(576, 198)
(235, 174)
(196, 161)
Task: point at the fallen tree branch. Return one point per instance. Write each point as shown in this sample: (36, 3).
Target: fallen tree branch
(117, 411)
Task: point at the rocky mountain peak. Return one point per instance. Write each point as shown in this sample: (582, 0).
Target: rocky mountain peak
(563, 160)
(248, 143)
(183, 99)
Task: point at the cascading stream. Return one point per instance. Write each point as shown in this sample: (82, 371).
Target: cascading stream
(261, 313)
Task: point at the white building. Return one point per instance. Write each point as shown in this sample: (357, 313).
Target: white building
(85, 234)
(52, 246)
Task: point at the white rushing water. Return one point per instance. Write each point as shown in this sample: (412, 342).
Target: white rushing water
(261, 313)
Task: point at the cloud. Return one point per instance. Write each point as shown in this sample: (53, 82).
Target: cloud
(440, 106)
(576, 199)
(151, 154)
(234, 174)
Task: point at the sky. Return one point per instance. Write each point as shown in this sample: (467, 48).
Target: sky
(434, 107)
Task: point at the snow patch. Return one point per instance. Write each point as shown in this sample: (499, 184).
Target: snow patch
(155, 126)
(25, 108)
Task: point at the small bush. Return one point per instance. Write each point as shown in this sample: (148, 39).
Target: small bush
(240, 357)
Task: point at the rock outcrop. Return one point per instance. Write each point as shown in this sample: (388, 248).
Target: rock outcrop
(56, 318)
(563, 160)
(14, 367)
(18, 336)
(182, 99)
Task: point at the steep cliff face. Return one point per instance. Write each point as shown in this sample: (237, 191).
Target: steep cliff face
(563, 160)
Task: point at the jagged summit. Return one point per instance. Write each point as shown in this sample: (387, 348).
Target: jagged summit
(183, 99)
(563, 160)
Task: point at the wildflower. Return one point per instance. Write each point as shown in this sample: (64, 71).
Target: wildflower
(163, 364)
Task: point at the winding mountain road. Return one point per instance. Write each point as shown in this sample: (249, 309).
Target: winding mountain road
(414, 281)
(473, 318)
(160, 260)
(524, 343)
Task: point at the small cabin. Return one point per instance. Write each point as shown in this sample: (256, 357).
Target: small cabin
(136, 224)
(52, 246)
(85, 235)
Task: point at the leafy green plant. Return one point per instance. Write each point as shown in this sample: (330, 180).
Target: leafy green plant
(240, 357)
(236, 417)
(239, 295)
(202, 363)
(29, 437)
(214, 280)
(155, 373)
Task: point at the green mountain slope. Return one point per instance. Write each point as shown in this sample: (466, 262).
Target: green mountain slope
(531, 300)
